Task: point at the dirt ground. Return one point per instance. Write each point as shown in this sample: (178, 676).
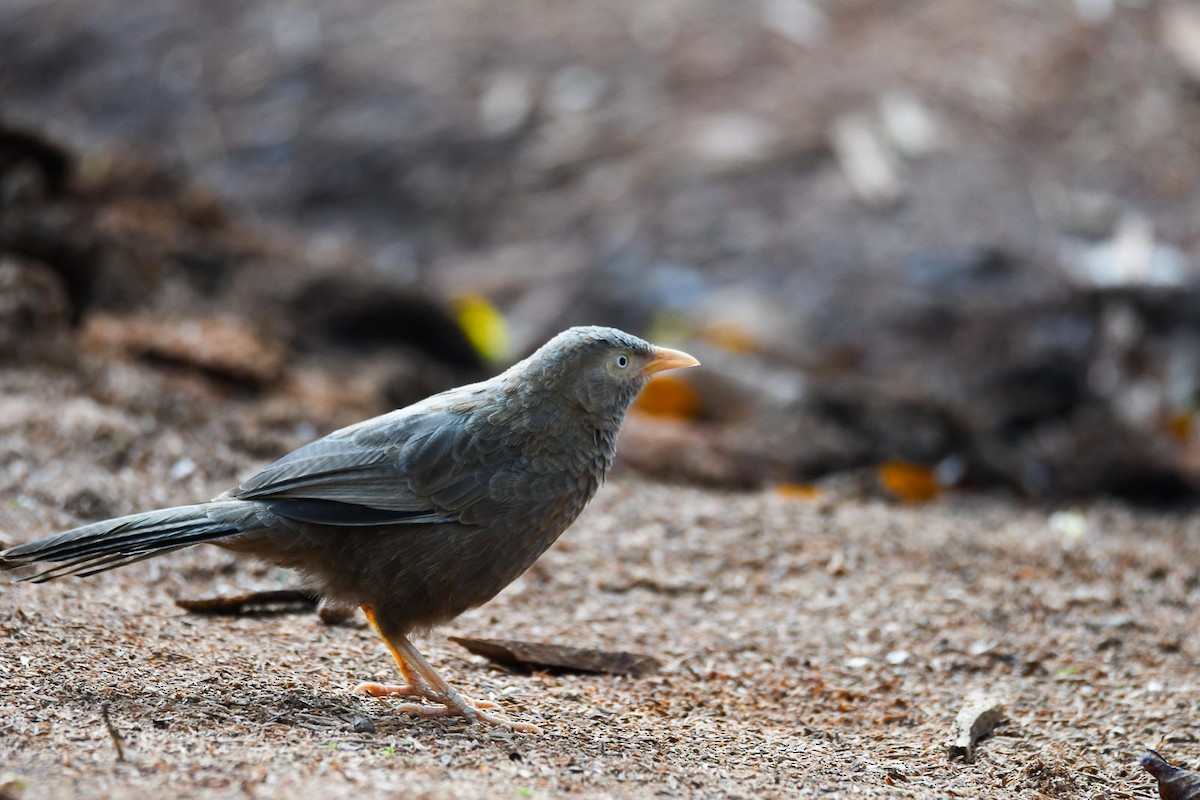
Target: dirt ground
(810, 647)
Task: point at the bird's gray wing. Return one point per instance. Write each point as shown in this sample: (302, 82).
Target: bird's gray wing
(430, 466)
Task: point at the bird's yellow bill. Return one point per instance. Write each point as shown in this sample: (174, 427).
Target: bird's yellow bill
(665, 358)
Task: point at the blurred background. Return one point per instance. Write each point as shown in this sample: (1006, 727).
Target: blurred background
(919, 245)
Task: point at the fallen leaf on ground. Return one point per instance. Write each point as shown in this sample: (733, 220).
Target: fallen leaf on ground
(275, 601)
(1181, 426)
(484, 327)
(798, 491)
(531, 655)
(912, 483)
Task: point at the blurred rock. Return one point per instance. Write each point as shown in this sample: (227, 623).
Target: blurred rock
(506, 103)
(575, 89)
(731, 142)
(1179, 29)
(1132, 257)
(908, 124)
(1095, 11)
(798, 21)
(867, 161)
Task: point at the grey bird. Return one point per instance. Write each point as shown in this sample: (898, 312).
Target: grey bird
(416, 515)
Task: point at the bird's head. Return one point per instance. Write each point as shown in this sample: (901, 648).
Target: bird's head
(601, 369)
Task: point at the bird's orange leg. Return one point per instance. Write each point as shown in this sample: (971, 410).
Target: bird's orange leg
(421, 680)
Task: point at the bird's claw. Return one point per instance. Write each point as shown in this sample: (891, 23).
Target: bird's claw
(372, 689)
(445, 705)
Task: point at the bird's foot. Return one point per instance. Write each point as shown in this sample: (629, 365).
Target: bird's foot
(471, 709)
(450, 704)
(372, 689)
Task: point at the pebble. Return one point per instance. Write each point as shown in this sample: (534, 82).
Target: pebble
(867, 160)
(182, 468)
(505, 104)
(1180, 34)
(798, 21)
(730, 141)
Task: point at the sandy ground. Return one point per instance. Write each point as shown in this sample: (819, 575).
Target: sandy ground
(810, 647)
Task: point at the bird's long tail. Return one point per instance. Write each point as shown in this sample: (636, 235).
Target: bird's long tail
(116, 542)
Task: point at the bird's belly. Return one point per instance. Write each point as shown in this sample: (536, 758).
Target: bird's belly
(425, 574)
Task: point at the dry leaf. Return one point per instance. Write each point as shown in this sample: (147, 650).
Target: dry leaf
(798, 491)
(912, 483)
(275, 601)
(1181, 426)
(533, 655)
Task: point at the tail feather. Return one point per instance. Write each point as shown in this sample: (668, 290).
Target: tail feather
(116, 542)
(96, 564)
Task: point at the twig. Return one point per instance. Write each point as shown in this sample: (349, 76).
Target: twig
(113, 733)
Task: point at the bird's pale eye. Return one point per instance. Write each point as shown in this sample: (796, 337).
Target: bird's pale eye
(622, 361)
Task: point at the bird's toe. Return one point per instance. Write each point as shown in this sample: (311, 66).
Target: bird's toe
(372, 689)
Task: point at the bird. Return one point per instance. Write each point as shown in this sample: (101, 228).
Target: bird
(419, 514)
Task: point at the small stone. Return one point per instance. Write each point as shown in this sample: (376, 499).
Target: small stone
(898, 657)
(1180, 34)
(908, 123)
(182, 468)
(363, 725)
(1094, 11)
(798, 21)
(575, 89)
(982, 647)
(978, 717)
(1072, 525)
(867, 161)
(506, 104)
(732, 141)
(1132, 257)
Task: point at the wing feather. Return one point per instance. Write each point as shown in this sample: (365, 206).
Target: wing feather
(432, 465)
